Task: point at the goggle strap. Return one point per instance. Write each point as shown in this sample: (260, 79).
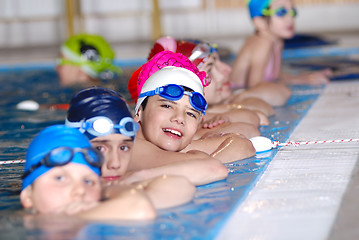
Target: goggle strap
(78, 125)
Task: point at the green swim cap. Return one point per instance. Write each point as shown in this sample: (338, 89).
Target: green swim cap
(256, 7)
(90, 52)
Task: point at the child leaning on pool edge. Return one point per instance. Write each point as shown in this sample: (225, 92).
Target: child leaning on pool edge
(103, 116)
(62, 177)
(221, 100)
(259, 59)
(169, 108)
(87, 60)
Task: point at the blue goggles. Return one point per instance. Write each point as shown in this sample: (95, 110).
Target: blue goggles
(63, 155)
(102, 126)
(280, 12)
(175, 92)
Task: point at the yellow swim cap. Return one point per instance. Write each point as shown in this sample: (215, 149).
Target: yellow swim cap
(90, 52)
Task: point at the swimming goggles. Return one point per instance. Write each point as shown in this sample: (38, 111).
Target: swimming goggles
(63, 155)
(280, 12)
(203, 51)
(102, 67)
(175, 92)
(101, 126)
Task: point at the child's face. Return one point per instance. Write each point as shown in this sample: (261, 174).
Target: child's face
(170, 125)
(62, 190)
(219, 89)
(116, 149)
(71, 75)
(67, 74)
(282, 27)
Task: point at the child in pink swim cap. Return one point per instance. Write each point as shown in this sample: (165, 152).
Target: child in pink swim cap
(169, 109)
(157, 62)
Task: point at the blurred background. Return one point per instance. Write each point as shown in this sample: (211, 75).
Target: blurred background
(32, 30)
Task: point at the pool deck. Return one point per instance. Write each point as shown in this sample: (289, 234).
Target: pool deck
(309, 192)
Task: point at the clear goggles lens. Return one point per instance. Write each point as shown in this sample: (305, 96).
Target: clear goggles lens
(100, 126)
(280, 12)
(63, 155)
(175, 92)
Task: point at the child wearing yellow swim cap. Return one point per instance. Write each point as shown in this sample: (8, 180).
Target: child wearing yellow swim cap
(86, 59)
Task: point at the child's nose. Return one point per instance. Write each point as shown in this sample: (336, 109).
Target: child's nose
(113, 161)
(178, 117)
(79, 189)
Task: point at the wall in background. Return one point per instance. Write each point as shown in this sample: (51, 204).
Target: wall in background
(25, 23)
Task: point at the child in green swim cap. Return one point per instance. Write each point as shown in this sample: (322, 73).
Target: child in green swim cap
(259, 60)
(86, 60)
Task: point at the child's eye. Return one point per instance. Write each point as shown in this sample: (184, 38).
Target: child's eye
(193, 115)
(100, 148)
(125, 148)
(90, 182)
(60, 178)
(166, 106)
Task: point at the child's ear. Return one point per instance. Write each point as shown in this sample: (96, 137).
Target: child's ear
(137, 116)
(26, 197)
(260, 23)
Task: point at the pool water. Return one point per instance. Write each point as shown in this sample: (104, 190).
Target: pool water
(200, 219)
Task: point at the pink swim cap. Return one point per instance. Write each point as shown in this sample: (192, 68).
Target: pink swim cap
(165, 59)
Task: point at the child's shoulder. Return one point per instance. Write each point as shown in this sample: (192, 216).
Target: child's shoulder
(257, 43)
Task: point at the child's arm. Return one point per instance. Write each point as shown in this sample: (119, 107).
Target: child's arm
(226, 148)
(252, 103)
(197, 171)
(169, 191)
(275, 94)
(240, 68)
(233, 115)
(197, 166)
(130, 204)
(246, 129)
(164, 191)
(311, 78)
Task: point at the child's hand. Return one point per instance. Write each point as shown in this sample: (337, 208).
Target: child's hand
(319, 77)
(215, 121)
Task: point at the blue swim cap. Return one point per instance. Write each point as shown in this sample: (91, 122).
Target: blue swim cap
(100, 102)
(48, 139)
(256, 7)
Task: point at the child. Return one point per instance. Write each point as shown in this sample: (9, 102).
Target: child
(169, 108)
(218, 94)
(259, 60)
(86, 60)
(62, 177)
(113, 131)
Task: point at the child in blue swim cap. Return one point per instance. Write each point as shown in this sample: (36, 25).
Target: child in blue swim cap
(61, 176)
(87, 60)
(103, 116)
(259, 59)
